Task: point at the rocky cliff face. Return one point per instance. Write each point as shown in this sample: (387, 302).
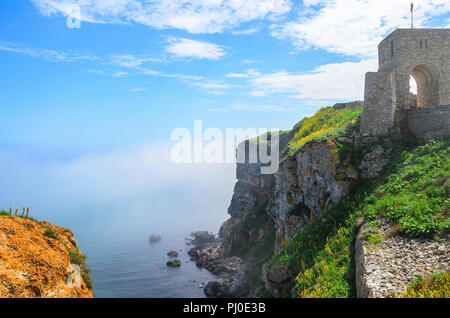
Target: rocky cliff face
(39, 259)
(251, 187)
(308, 183)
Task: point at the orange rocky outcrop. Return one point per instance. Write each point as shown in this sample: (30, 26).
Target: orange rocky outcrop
(35, 261)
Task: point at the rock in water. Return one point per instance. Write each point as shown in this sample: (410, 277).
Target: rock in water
(172, 254)
(216, 289)
(174, 263)
(154, 238)
(201, 238)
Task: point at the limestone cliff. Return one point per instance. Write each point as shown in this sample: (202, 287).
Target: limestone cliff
(293, 233)
(308, 183)
(39, 259)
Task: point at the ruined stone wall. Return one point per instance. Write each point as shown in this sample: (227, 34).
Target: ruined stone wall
(378, 114)
(429, 122)
(389, 267)
(422, 53)
(414, 47)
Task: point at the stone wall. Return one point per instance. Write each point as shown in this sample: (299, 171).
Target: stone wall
(421, 53)
(427, 122)
(378, 114)
(389, 267)
(405, 49)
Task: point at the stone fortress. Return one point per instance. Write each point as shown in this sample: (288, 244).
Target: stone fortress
(389, 106)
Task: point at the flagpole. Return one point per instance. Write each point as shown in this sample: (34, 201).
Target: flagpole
(412, 15)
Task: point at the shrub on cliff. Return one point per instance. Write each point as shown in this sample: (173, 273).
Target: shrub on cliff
(437, 286)
(75, 258)
(253, 238)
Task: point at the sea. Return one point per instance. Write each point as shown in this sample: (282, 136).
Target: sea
(124, 264)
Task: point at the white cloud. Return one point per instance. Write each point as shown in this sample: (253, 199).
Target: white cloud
(261, 108)
(182, 47)
(136, 90)
(119, 74)
(248, 61)
(195, 16)
(130, 61)
(354, 27)
(211, 87)
(48, 55)
(235, 75)
(245, 31)
(249, 73)
(341, 81)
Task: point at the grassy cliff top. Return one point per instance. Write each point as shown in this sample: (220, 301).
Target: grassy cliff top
(326, 122)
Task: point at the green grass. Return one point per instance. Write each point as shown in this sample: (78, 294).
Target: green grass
(245, 241)
(81, 261)
(437, 286)
(414, 193)
(325, 123)
(373, 236)
(21, 215)
(320, 255)
(50, 233)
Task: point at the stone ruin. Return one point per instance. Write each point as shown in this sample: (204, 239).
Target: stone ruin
(390, 109)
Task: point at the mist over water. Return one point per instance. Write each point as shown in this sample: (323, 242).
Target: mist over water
(113, 202)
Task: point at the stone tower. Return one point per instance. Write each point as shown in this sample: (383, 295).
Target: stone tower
(389, 107)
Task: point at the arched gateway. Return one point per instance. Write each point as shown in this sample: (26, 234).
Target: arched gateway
(427, 80)
(389, 107)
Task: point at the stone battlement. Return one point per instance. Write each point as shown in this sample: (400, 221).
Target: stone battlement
(389, 107)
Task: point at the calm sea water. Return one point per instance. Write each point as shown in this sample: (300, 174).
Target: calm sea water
(125, 264)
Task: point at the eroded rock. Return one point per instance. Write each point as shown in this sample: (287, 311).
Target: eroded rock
(308, 183)
(373, 162)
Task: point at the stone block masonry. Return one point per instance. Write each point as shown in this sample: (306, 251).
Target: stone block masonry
(423, 54)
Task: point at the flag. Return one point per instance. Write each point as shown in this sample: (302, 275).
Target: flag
(412, 7)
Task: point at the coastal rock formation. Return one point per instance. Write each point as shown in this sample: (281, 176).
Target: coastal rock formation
(308, 183)
(251, 187)
(154, 238)
(389, 267)
(229, 271)
(202, 238)
(285, 229)
(276, 278)
(174, 263)
(35, 261)
(172, 254)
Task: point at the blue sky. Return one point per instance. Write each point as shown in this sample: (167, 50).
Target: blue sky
(79, 100)
(133, 71)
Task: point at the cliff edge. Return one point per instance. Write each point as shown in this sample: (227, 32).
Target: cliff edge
(39, 259)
